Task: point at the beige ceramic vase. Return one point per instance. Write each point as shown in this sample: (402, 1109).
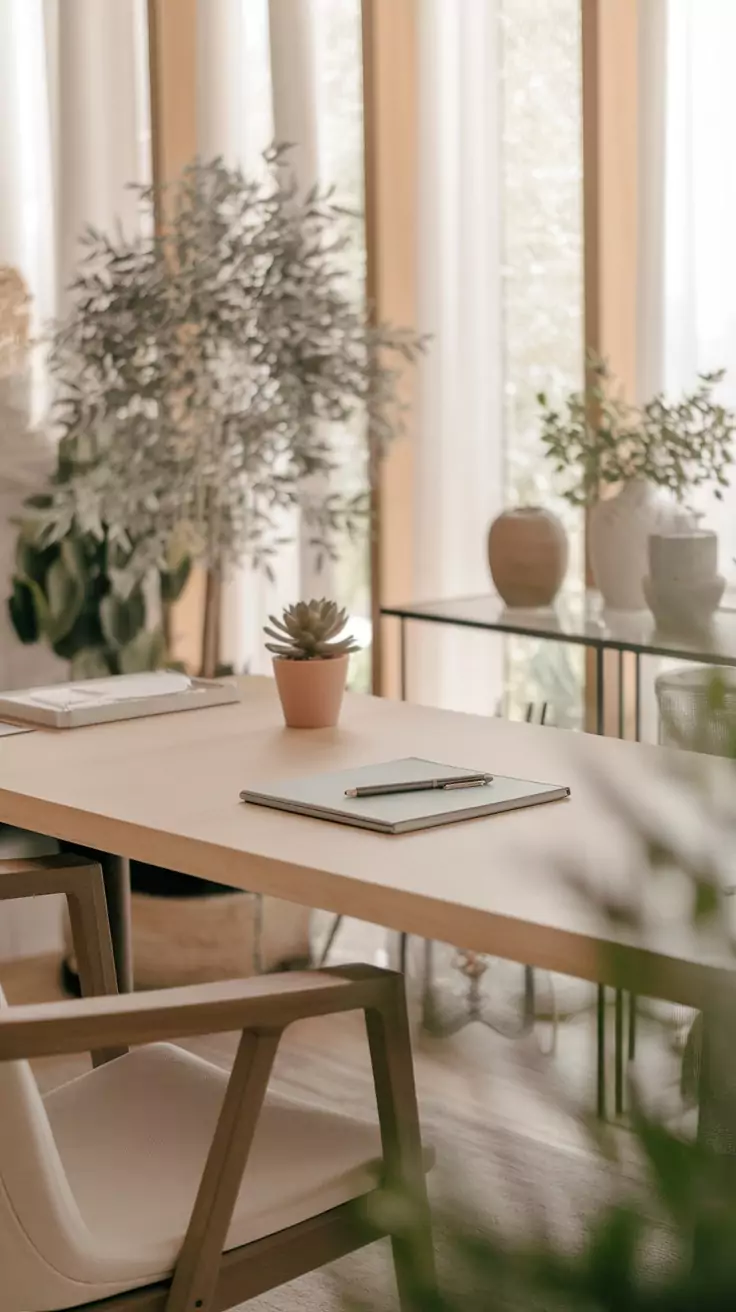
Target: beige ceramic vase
(527, 553)
(311, 691)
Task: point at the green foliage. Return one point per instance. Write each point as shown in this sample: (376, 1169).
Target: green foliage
(64, 594)
(663, 1237)
(210, 372)
(601, 440)
(310, 630)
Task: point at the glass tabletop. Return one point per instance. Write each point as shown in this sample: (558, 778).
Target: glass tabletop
(579, 617)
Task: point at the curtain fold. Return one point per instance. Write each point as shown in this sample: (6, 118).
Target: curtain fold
(687, 212)
(102, 137)
(74, 132)
(256, 83)
(459, 459)
(651, 182)
(294, 99)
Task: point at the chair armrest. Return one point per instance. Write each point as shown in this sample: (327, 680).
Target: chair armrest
(264, 1004)
(35, 876)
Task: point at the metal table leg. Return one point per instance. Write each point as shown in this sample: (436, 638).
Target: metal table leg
(621, 716)
(632, 1025)
(599, 700)
(619, 1052)
(637, 697)
(334, 930)
(601, 1036)
(402, 659)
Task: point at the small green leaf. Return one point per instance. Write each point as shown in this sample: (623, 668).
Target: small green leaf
(147, 651)
(706, 900)
(174, 581)
(65, 600)
(23, 612)
(122, 621)
(90, 663)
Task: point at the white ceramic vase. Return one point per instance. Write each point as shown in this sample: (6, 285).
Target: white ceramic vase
(619, 530)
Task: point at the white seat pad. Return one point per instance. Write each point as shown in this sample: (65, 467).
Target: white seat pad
(133, 1137)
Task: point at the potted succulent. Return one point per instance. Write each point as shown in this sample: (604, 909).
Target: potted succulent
(617, 455)
(310, 662)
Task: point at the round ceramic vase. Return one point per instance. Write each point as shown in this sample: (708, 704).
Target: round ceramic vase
(527, 554)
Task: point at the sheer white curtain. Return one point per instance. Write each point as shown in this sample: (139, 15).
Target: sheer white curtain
(687, 265)
(257, 83)
(459, 461)
(74, 131)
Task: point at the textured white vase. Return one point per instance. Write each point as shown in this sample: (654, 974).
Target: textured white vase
(684, 588)
(619, 530)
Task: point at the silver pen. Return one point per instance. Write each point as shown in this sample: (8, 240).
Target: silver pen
(421, 785)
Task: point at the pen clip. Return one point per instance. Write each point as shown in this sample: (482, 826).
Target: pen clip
(463, 783)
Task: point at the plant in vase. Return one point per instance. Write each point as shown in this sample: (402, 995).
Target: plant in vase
(214, 376)
(615, 455)
(310, 662)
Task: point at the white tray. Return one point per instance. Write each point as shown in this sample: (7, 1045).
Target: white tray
(121, 697)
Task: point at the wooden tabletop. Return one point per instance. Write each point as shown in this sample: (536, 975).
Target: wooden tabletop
(166, 790)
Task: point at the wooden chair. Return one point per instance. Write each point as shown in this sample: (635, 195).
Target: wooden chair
(155, 1182)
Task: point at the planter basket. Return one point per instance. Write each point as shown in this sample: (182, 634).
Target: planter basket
(215, 934)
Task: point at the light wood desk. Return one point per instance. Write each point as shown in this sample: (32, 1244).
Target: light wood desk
(165, 790)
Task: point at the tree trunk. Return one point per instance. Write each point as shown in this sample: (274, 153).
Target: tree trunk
(211, 624)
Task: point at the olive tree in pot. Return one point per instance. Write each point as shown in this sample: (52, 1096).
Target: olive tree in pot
(617, 456)
(209, 376)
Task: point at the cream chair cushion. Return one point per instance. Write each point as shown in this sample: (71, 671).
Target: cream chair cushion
(97, 1180)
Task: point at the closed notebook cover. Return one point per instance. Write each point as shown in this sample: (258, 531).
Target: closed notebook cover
(117, 697)
(322, 796)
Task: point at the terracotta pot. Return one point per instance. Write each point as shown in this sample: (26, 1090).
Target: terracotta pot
(527, 553)
(311, 691)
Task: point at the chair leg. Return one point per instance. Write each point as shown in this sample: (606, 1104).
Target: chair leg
(80, 880)
(393, 1075)
(93, 944)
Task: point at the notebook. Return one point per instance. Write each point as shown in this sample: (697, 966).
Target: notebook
(119, 697)
(322, 796)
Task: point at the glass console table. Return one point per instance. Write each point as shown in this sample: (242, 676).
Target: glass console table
(576, 618)
(579, 618)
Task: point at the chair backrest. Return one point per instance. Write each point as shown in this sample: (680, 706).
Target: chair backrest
(43, 1239)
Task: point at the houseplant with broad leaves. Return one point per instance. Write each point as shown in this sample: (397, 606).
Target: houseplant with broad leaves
(68, 594)
(213, 376)
(310, 662)
(613, 457)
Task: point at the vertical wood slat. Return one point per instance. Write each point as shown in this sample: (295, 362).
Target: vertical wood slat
(172, 40)
(591, 264)
(610, 59)
(389, 29)
(371, 288)
(172, 46)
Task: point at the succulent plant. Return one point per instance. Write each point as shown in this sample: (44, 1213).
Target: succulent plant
(309, 631)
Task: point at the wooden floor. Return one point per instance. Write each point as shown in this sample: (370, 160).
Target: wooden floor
(511, 1083)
